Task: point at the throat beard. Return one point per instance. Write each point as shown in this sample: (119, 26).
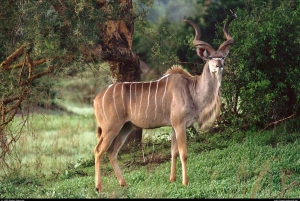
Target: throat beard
(219, 76)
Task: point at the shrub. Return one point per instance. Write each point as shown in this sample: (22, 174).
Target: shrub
(260, 81)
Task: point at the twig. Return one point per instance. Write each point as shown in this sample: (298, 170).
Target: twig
(47, 71)
(152, 151)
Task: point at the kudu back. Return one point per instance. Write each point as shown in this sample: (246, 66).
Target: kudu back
(177, 99)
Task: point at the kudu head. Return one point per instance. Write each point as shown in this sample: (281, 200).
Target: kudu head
(205, 51)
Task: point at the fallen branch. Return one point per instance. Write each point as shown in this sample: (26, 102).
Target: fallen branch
(276, 122)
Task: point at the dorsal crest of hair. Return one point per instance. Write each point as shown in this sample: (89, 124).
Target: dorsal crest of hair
(176, 69)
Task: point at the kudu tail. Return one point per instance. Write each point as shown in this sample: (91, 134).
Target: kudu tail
(99, 131)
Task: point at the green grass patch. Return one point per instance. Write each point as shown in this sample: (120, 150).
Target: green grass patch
(220, 165)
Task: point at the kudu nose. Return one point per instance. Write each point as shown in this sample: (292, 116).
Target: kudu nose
(219, 66)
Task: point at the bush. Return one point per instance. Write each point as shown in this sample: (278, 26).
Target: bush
(260, 81)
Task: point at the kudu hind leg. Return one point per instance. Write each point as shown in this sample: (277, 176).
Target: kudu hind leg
(98, 153)
(114, 149)
(104, 141)
(174, 155)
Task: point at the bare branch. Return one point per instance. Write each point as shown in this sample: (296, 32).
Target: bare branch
(19, 65)
(12, 58)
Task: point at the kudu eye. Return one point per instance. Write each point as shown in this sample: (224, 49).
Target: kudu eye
(210, 58)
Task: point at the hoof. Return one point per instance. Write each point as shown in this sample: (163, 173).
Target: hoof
(98, 190)
(123, 184)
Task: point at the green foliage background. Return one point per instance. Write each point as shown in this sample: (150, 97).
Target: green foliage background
(261, 78)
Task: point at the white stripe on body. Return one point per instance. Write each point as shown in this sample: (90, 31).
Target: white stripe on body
(135, 98)
(130, 98)
(123, 98)
(163, 98)
(156, 98)
(163, 77)
(146, 112)
(114, 97)
(103, 101)
(141, 99)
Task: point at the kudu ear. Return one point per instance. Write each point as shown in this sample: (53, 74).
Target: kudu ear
(225, 50)
(202, 53)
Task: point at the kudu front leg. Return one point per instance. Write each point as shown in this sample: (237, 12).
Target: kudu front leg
(180, 132)
(174, 155)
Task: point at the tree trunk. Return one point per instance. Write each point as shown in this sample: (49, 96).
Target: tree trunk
(116, 47)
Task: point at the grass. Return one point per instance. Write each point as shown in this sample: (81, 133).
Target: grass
(49, 141)
(57, 162)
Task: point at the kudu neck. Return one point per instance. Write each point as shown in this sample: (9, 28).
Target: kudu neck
(208, 83)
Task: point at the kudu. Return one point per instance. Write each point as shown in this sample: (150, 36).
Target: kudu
(177, 99)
